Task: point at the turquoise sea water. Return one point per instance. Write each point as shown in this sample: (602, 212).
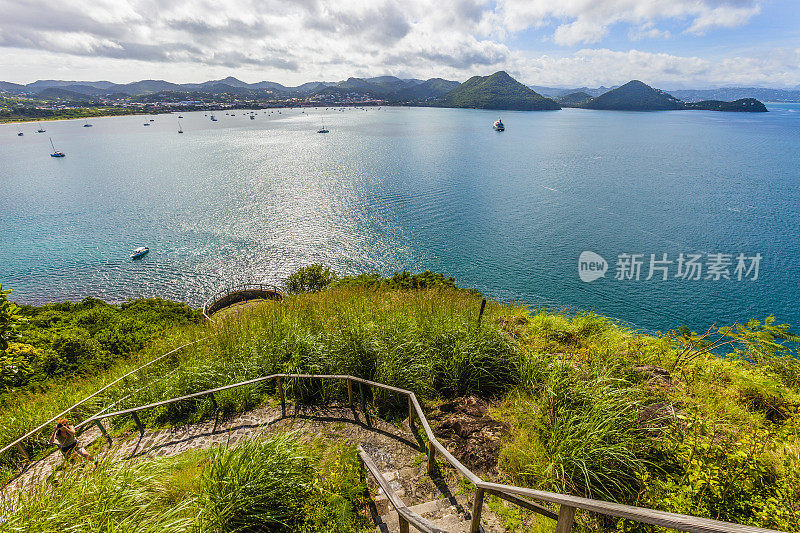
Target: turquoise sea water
(507, 213)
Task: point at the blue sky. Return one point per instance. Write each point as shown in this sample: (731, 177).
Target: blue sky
(568, 43)
(776, 25)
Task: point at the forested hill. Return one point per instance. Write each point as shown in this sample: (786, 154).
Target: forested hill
(498, 91)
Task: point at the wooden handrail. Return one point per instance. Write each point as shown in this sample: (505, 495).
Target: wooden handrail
(568, 504)
(18, 442)
(678, 522)
(404, 514)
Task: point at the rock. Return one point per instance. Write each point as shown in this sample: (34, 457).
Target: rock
(655, 372)
(656, 417)
(471, 434)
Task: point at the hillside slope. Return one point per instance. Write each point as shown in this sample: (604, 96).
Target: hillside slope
(498, 91)
(634, 96)
(663, 412)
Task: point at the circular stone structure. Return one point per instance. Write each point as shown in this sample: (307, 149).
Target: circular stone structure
(240, 293)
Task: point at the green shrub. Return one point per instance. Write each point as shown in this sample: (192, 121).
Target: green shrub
(312, 278)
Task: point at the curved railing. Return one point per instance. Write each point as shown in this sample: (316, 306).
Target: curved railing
(239, 293)
(567, 504)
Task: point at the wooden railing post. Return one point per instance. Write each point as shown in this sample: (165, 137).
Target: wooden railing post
(410, 414)
(282, 397)
(24, 452)
(138, 423)
(216, 412)
(477, 507)
(403, 523)
(566, 517)
(349, 392)
(103, 431)
(363, 402)
(431, 459)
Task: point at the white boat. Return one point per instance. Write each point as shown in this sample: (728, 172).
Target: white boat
(180, 128)
(498, 126)
(139, 252)
(323, 130)
(55, 153)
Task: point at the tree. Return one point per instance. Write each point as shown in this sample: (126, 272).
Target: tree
(10, 318)
(312, 278)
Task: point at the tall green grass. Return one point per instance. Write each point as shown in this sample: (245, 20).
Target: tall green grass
(566, 384)
(275, 484)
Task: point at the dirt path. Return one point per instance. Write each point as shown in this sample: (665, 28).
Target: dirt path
(396, 451)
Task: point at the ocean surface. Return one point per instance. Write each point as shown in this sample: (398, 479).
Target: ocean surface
(417, 188)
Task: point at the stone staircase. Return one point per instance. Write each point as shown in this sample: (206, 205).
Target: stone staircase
(396, 451)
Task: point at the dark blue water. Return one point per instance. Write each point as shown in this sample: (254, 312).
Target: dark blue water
(507, 213)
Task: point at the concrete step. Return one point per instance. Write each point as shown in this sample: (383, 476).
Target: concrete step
(445, 513)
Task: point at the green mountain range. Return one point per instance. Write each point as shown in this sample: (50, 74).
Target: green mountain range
(574, 99)
(634, 96)
(498, 91)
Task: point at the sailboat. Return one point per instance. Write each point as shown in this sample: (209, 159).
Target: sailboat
(19, 132)
(323, 130)
(41, 129)
(180, 128)
(87, 125)
(55, 153)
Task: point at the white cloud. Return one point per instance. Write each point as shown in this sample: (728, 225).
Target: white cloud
(587, 21)
(594, 67)
(293, 41)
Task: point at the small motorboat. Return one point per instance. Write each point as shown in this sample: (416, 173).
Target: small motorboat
(140, 252)
(498, 126)
(252, 117)
(55, 153)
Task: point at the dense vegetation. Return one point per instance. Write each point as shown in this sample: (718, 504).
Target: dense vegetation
(700, 424)
(638, 96)
(748, 105)
(278, 484)
(634, 96)
(574, 99)
(498, 91)
(79, 338)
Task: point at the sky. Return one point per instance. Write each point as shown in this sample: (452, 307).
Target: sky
(565, 43)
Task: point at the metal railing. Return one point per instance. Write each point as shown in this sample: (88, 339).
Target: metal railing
(568, 505)
(241, 288)
(18, 443)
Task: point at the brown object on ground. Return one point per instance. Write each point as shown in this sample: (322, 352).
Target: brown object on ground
(470, 433)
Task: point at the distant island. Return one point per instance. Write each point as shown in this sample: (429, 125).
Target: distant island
(498, 91)
(638, 96)
(56, 99)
